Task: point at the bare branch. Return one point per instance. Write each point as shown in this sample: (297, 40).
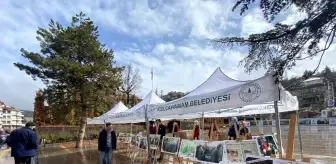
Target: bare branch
(131, 81)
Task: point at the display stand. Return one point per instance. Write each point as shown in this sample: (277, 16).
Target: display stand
(213, 125)
(256, 122)
(291, 136)
(269, 127)
(170, 158)
(156, 150)
(187, 161)
(157, 154)
(175, 125)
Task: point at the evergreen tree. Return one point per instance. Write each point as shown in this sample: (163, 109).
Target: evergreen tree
(78, 71)
(38, 108)
(281, 47)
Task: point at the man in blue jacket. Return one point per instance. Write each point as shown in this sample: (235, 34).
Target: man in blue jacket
(24, 144)
(107, 142)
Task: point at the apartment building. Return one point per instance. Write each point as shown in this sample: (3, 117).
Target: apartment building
(10, 118)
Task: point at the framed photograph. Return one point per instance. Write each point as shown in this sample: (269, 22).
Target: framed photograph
(126, 139)
(258, 160)
(234, 152)
(134, 140)
(154, 141)
(267, 144)
(187, 149)
(266, 160)
(170, 145)
(210, 152)
(250, 147)
(142, 143)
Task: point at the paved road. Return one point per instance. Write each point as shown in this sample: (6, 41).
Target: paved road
(5, 155)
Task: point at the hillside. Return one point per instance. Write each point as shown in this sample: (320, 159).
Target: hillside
(27, 113)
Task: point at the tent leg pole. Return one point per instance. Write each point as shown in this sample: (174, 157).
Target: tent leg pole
(131, 129)
(149, 157)
(299, 133)
(278, 128)
(202, 126)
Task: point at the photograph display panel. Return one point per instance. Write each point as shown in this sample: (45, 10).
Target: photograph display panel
(142, 143)
(234, 152)
(187, 149)
(211, 152)
(267, 145)
(170, 145)
(154, 141)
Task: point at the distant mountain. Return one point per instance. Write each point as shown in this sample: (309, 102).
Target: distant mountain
(27, 113)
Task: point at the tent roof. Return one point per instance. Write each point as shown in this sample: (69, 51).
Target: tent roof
(214, 83)
(120, 107)
(151, 98)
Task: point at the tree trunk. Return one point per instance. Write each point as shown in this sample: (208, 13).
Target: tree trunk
(82, 123)
(81, 132)
(128, 98)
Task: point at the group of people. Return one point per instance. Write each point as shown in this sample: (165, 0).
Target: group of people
(107, 140)
(24, 141)
(242, 129)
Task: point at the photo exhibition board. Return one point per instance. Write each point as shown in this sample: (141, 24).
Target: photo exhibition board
(154, 141)
(142, 143)
(210, 152)
(170, 145)
(187, 149)
(267, 145)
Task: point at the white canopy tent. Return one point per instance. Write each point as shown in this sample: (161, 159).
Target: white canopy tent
(133, 115)
(118, 108)
(221, 94)
(215, 98)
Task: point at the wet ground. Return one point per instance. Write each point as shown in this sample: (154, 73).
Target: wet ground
(318, 143)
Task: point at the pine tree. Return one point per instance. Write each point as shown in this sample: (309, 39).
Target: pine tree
(77, 69)
(281, 47)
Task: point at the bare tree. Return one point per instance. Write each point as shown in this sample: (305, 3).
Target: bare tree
(131, 82)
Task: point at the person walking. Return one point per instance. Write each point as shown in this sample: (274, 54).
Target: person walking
(107, 143)
(24, 144)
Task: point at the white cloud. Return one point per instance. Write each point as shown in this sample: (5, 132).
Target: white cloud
(254, 22)
(174, 36)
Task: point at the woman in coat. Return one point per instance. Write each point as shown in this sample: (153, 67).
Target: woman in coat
(232, 132)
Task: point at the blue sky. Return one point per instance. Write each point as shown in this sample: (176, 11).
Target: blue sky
(170, 35)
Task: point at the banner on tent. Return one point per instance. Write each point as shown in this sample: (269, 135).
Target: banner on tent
(254, 92)
(120, 117)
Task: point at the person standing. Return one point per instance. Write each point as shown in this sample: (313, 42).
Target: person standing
(161, 128)
(107, 143)
(152, 127)
(232, 130)
(24, 144)
(196, 132)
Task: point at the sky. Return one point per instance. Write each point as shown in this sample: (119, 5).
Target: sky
(170, 36)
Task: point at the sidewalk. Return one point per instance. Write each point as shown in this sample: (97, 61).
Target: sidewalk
(5, 156)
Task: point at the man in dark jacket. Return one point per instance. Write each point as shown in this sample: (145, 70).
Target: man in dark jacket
(107, 142)
(24, 144)
(161, 128)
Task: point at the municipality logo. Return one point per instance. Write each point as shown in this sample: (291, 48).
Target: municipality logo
(250, 92)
